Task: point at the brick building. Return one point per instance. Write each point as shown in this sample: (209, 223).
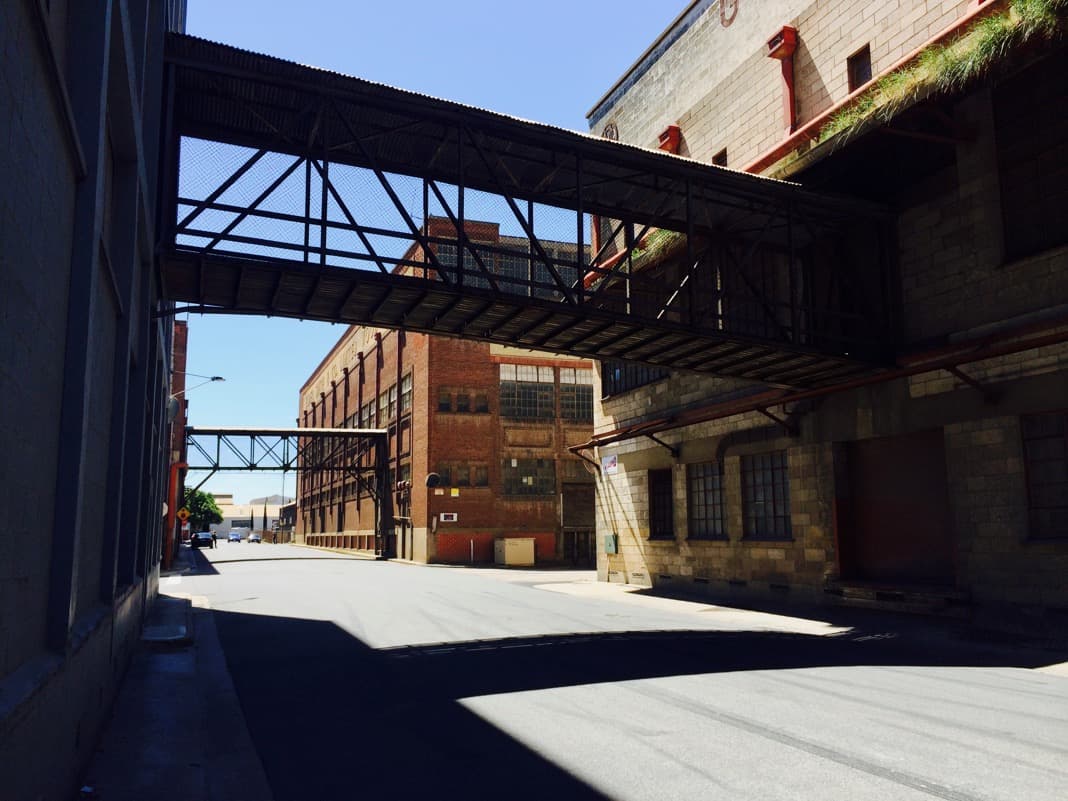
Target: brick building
(944, 480)
(489, 425)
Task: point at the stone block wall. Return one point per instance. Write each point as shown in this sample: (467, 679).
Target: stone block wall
(1000, 561)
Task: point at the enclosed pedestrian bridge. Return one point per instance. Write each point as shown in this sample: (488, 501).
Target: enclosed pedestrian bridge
(296, 192)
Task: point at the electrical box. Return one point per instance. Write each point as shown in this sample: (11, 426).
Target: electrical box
(611, 543)
(514, 551)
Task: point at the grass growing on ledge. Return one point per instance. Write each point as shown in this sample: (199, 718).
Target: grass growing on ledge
(948, 67)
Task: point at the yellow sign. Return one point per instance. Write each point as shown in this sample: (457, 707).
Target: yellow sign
(183, 514)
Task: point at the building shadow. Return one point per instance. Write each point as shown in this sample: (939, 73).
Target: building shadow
(333, 717)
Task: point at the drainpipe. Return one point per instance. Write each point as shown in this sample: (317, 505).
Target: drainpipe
(781, 46)
(172, 511)
(811, 129)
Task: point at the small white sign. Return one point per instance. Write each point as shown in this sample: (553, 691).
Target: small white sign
(610, 465)
(449, 517)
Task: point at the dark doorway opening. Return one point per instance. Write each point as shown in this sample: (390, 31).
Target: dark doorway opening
(894, 518)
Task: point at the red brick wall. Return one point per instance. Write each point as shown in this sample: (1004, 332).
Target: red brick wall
(456, 548)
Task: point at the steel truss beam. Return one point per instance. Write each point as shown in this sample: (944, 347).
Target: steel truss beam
(399, 189)
(302, 450)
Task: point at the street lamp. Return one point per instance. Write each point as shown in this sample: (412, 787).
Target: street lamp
(177, 463)
(172, 403)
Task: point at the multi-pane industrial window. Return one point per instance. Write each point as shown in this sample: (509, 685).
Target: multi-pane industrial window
(392, 401)
(529, 477)
(444, 400)
(527, 392)
(707, 518)
(481, 403)
(463, 474)
(463, 402)
(766, 496)
(617, 377)
(1045, 441)
(661, 505)
(367, 415)
(406, 394)
(576, 394)
(383, 409)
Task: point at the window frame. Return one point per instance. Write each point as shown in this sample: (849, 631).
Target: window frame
(773, 465)
(1036, 531)
(661, 504)
(707, 519)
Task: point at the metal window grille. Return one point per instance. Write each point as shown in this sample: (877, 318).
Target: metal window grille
(529, 477)
(576, 394)
(707, 510)
(661, 505)
(527, 392)
(1045, 442)
(766, 496)
(618, 377)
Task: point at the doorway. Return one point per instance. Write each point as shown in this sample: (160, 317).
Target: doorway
(894, 517)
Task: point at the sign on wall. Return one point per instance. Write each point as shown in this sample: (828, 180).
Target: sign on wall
(449, 517)
(610, 465)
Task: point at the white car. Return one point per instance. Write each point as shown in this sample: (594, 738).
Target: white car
(255, 536)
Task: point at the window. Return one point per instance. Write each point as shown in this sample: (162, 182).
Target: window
(367, 415)
(529, 476)
(461, 475)
(444, 472)
(406, 394)
(481, 475)
(766, 496)
(1030, 130)
(383, 409)
(858, 66)
(617, 377)
(576, 394)
(392, 392)
(1045, 442)
(527, 392)
(720, 158)
(704, 484)
(444, 400)
(463, 402)
(481, 403)
(661, 506)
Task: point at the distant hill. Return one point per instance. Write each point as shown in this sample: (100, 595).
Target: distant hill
(271, 500)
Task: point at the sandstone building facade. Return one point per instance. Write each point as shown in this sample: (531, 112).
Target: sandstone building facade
(945, 482)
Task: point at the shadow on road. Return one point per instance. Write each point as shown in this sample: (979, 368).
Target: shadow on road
(335, 718)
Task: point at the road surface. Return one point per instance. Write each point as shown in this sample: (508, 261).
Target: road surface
(386, 680)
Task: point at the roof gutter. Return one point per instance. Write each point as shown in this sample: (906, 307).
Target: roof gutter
(811, 129)
(949, 358)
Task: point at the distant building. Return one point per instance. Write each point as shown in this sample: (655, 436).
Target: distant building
(478, 435)
(249, 515)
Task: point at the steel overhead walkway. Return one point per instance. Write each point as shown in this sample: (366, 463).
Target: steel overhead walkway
(292, 191)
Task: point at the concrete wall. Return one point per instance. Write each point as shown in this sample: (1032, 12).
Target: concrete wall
(84, 368)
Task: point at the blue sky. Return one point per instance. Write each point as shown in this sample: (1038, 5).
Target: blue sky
(548, 61)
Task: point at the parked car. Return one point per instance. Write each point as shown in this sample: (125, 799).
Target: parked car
(255, 536)
(202, 539)
(233, 536)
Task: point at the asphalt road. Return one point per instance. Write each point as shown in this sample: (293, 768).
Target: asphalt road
(384, 680)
